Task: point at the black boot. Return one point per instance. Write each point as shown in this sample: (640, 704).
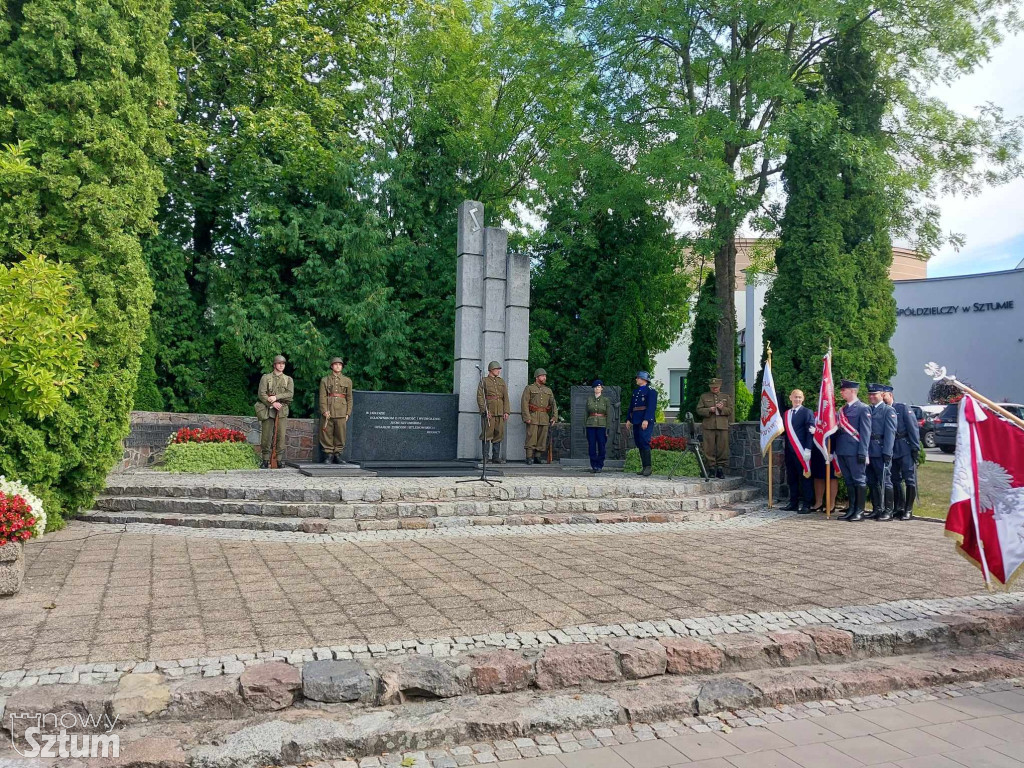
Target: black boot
(886, 513)
(860, 496)
(804, 508)
(496, 454)
(897, 500)
(327, 459)
(647, 470)
(529, 459)
(908, 509)
(264, 465)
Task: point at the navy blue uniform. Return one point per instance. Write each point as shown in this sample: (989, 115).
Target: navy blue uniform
(642, 407)
(852, 452)
(799, 423)
(883, 435)
(904, 458)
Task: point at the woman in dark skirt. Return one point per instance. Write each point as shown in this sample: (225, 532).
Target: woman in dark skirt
(818, 473)
(599, 412)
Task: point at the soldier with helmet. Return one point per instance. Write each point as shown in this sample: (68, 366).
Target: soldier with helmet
(275, 392)
(492, 400)
(643, 409)
(336, 403)
(539, 412)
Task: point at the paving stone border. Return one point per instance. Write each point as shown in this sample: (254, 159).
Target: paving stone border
(443, 647)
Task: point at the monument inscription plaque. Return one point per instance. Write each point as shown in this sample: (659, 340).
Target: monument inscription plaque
(403, 426)
(578, 448)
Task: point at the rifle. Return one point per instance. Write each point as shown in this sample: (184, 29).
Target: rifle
(273, 447)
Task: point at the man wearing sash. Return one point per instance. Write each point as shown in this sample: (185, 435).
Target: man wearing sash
(879, 470)
(853, 438)
(904, 457)
(799, 425)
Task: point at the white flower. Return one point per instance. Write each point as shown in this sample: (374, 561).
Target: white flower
(35, 504)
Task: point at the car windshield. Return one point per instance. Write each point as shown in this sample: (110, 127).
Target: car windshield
(949, 413)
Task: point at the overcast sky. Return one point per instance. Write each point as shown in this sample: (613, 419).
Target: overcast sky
(992, 222)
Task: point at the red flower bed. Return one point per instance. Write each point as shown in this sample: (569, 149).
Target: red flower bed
(208, 435)
(665, 443)
(16, 519)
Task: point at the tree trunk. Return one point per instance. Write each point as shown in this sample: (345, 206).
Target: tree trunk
(725, 292)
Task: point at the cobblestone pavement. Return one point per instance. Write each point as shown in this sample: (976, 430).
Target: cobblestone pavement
(99, 596)
(976, 725)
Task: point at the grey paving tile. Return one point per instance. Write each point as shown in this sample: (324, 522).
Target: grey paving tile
(931, 761)
(594, 758)
(1010, 749)
(962, 735)
(703, 746)
(715, 762)
(869, 750)
(894, 719)
(769, 759)
(849, 725)
(756, 738)
(819, 756)
(649, 754)
(976, 706)
(533, 762)
(802, 731)
(1012, 700)
(934, 712)
(916, 742)
(983, 758)
(1000, 726)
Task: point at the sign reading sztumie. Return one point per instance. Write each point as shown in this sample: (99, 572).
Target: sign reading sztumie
(955, 309)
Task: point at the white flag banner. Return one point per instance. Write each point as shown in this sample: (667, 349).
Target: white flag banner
(771, 416)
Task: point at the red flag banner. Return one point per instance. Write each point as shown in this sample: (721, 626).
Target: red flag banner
(825, 417)
(986, 508)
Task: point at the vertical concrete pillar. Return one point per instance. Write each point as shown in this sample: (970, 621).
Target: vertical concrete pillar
(469, 319)
(517, 348)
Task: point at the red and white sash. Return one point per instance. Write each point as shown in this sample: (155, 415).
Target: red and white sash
(795, 444)
(846, 426)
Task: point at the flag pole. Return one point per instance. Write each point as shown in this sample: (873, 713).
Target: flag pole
(939, 374)
(828, 454)
(771, 496)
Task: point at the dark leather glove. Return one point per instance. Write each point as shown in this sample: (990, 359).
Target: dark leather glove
(862, 459)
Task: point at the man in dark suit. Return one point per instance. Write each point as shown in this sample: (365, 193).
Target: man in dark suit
(799, 425)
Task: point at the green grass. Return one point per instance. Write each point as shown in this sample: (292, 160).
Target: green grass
(934, 483)
(663, 461)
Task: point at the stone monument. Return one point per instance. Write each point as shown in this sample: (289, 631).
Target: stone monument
(492, 322)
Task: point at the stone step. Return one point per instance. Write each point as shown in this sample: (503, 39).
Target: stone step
(345, 490)
(332, 526)
(424, 509)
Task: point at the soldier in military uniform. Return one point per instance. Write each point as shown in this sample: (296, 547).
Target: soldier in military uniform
(492, 400)
(852, 442)
(539, 412)
(643, 407)
(274, 394)
(335, 408)
(879, 469)
(904, 458)
(716, 409)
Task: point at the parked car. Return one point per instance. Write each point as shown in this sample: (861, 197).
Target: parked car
(945, 424)
(926, 422)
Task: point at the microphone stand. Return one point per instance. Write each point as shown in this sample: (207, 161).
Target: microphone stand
(484, 421)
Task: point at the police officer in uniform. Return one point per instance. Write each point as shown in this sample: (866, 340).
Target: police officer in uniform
(716, 410)
(539, 412)
(879, 470)
(853, 438)
(335, 408)
(274, 394)
(492, 400)
(643, 406)
(904, 458)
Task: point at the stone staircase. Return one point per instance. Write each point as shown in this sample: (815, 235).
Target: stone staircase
(345, 506)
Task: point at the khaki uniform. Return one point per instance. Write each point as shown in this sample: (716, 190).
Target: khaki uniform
(539, 409)
(283, 388)
(492, 399)
(716, 428)
(335, 408)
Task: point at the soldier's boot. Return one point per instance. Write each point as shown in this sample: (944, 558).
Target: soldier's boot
(908, 509)
(876, 503)
(886, 513)
(852, 509)
(496, 454)
(897, 500)
(719, 473)
(645, 458)
(860, 495)
(529, 458)
(327, 458)
(264, 465)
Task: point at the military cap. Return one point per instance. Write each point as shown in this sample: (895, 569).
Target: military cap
(597, 383)
(337, 360)
(644, 375)
(876, 388)
(715, 382)
(280, 359)
(847, 384)
(539, 372)
(886, 388)
(494, 364)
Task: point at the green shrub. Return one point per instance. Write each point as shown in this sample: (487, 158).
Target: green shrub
(681, 464)
(207, 457)
(744, 401)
